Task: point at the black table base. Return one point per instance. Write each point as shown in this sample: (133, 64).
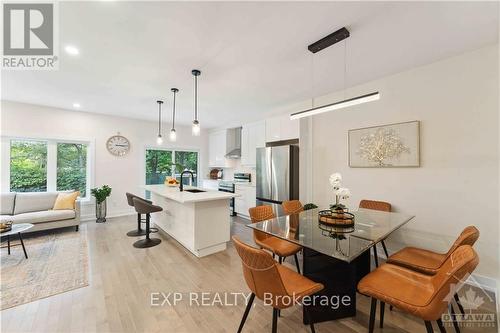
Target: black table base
(340, 280)
(21, 243)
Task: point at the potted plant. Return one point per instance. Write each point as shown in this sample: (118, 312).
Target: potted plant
(340, 193)
(309, 206)
(100, 195)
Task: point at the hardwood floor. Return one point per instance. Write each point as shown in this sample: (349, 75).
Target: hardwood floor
(122, 279)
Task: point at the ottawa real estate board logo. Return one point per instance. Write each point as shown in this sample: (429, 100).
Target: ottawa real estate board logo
(30, 36)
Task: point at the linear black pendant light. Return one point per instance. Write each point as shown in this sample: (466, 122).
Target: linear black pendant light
(321, 44)
(173, 134)
(195, 129)
(159, 139)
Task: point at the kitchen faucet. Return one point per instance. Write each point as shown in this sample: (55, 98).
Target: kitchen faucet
(181, 187)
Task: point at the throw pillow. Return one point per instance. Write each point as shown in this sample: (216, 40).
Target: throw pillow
(66, 200)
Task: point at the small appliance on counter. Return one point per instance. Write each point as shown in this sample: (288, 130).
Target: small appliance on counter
(216, 174)
(228, 186)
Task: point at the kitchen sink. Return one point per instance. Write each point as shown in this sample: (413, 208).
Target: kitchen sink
(194, 190)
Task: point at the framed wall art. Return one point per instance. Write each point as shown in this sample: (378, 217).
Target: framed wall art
(386, 146)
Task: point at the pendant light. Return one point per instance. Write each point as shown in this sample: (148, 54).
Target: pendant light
(159, 139)
(173, 134)
(323, 43)
(195, 129)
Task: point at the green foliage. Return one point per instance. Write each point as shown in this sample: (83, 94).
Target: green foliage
(72, 167)
(309, 206)
(28, 166)
(337, 207)
(101, 193)
(159, 164)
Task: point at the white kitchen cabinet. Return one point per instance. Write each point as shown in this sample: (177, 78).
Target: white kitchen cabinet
(281, 128)
(252, 137)
(245, 200)
(217, 149)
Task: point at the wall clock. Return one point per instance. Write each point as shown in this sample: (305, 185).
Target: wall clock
(118, 145)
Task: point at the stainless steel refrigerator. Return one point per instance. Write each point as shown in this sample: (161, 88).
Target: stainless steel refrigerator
(277, 176)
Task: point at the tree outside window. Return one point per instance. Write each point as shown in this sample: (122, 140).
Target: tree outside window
(186, 160)
(161, 164)
(28, 166)
(72, 167)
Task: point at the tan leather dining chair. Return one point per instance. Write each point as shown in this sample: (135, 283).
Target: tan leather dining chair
(292, 207)
(381, 206)
(429, 262)
(422, 295)
(279, 247)
(272, 282)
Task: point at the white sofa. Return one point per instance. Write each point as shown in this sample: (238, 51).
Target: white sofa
(36, 208)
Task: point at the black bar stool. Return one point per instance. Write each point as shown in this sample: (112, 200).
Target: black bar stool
(144, 207)
(139, 231)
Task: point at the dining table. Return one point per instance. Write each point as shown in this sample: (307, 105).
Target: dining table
(336, 257)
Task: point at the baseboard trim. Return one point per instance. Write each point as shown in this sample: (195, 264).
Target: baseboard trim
(90, 217)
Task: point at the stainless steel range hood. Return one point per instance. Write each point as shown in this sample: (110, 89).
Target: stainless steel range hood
(233, 143)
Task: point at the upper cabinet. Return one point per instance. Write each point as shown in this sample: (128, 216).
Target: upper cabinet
(253, 136)
(217, 149)
(281, 128)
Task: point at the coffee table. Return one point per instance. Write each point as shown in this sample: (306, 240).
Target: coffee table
(17, 229)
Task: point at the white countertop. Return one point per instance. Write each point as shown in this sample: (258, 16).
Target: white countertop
(173, 193)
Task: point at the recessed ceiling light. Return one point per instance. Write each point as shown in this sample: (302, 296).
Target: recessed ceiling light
(70, 49)
(76, 105)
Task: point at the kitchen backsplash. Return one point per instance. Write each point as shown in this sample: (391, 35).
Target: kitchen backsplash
(235, 166)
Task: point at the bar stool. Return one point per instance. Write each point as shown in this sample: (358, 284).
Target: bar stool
(144, 207)
(139, 231)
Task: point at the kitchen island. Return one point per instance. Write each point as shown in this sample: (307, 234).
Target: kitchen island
(199, 221)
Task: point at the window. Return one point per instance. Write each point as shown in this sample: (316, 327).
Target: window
(72, 167)
(161, 164)
(186, 160)
(46, 165)
(28, 166)
(158, 166)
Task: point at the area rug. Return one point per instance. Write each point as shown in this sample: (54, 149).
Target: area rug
(57, 262)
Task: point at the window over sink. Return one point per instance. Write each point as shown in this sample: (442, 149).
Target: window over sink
(163, 163)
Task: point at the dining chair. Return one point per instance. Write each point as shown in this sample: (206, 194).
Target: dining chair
(381, 206)
(429, 262)
(292, 207)
(424, 296)
(272, 283)
(279, 247)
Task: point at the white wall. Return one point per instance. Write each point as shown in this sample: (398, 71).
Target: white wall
(123, 174)
(457, 185)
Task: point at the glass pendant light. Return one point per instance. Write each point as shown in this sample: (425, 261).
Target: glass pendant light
(159, 139)
(173, 134)
(195, 129)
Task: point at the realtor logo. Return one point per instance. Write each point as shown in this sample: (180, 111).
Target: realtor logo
(29, 36)
(476, 307)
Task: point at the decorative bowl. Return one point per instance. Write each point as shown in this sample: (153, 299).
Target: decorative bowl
(336, 218)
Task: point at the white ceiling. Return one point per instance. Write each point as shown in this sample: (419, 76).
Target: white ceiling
(253, 55)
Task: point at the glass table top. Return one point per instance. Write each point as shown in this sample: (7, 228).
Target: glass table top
(304, 229)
